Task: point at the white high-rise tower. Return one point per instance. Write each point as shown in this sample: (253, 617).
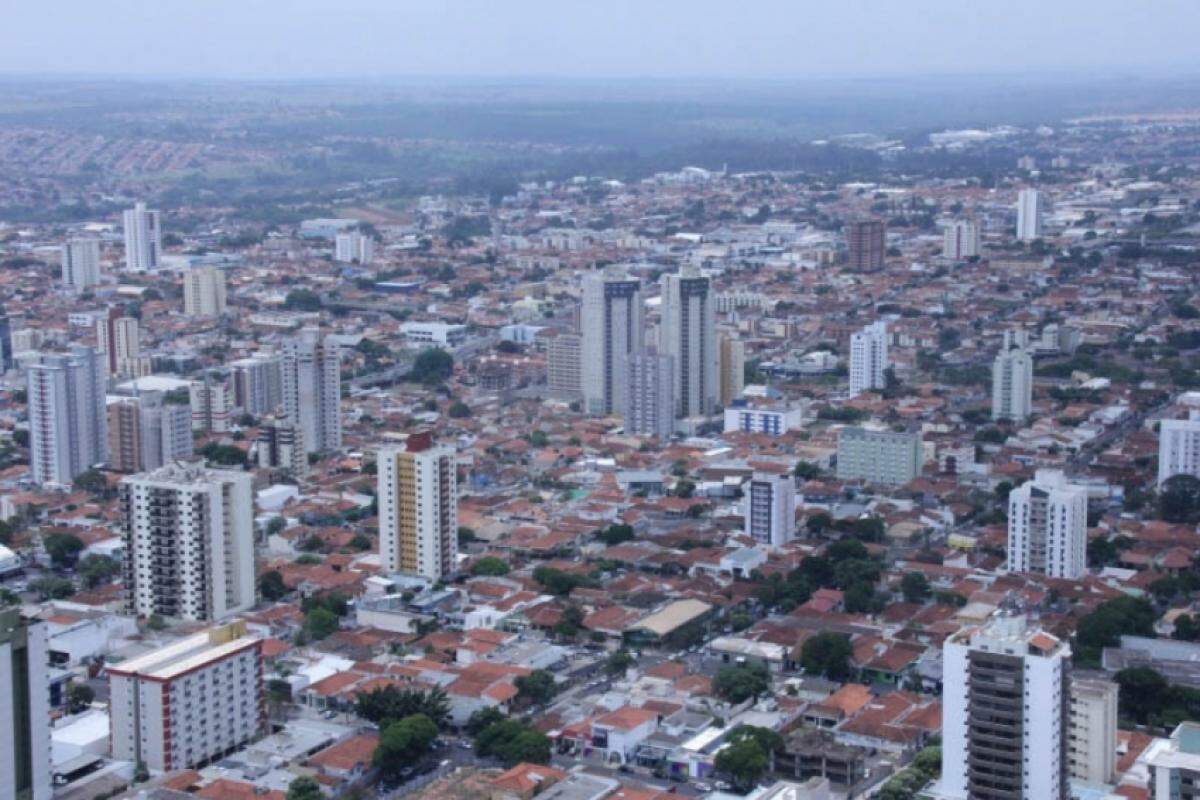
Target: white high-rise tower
(1029, 215)
(869, 358)
(770, 509)
(204, 292)
(960, 240)
(312, 390)
(689, 336)
(67, 421)
(611, 318)
(1047, 527)
(143, 239)
(81, 263)
(1012, 380)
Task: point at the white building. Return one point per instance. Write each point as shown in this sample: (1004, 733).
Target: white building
(611, 316)
(1047, 526)
(1174, 763)
(312, 390)
(1004, 712)
(878, 455)
(689, 336)
(25, 763)
(650, 404)
(1092, 743)
(960, 240)
(440, 334)
(257, 384)
(353, 247)
(1029, 215)
(1179, 446)
(189, 542)
(189, 703)
(212, 405)
(81, 263)
(418, 507)
(869, 358)
(143, 239)
(770, 509)
(145, 433)
(1012, 381)
(773, 420)
(119, 342)
(204, 292)
(67, 422)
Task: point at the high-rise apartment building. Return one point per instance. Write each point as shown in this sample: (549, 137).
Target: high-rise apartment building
(189, 703)
(204, 292)
(25, 765)
(312, 390)
(81, 263)
(1029, 215)
(143, 239)
(732, 368)
(1012, 380)
(6, 342)
(770, 509)
(67, 422)
(612, 321)
(650, 395)
(1179, 443)
(1174, 764)
(145, 433)
(1004, 713)
(189, 542)
(865, 242)
(960, 240)
(212, 405)
(689, 336)
(878, 456)
(353, 247)
(279, 446)
(1092, 731)
(418, 507)
(1047, 527)
(564, 369)
(257, 384)
(869, 358)
(118, 340)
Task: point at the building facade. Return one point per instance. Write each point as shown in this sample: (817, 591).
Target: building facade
(564, 370)
(1092, 739)
(612, 319)
(650, 403)
(869, 358)
(731, 353)
(353, 247)
(145, 433)
(312, 390)
(212, 406)
(418, 507)
(689, 336)
(257, 384)
(1179, 447)
(143, 239)
(960, 240)
(119, 342)
(1029, 215)
(204, 292)
(25, 765)
(878, 456)
(81, 263)
(770, 509)
(866, 244)
(279, 446)
(1012, 381)
(67, 421)
(1047, 527)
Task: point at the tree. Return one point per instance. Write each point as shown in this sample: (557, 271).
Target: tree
(97, 569)
(52, 588)
(513, 743)
(490, 565)
(432, 366)
(744, 762)
(79, 697)
(615, 534)
(271, 586)
(304, 788)
(459, 410)
(618, 662)
(915, 587)
(319, 623)
(537, 688)
(769, 740)
(224, 454)
(827, 654)
(390, 703)
(1141, 693)
(63, 548)
(302, 300)
(742, 682)
(1187, 628)
(484, 718)
(1104, 627)
(92, 481)
(558, 582)
(404, 742)
(806, 470)
(1179, 500)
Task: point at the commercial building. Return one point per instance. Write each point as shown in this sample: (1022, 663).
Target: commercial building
(119, 342)
(67, 422)
(212, 405)
(25, 764)
(689, 336)
(1029, 215)
(869, 358)
(1047, 526)
(418, 507)
(312, 390)
(770, 509)
(143, 239)
(650, 403)
(731, 368)
(439, 334)
(611, 316)
(1012, 380)
(204, 292)
(878, 456)
(960, 240)
(144, 432)
(189, 542)
(189, 703)
(1175, 764)
(81, 263)
(774, 419)
(865, 243)
(1092, 732)
(257, 384)
(1004, 712)
(564, 370)
(353, 247)
(1179, 446)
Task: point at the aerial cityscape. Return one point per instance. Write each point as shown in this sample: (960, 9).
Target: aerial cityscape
(664, 425)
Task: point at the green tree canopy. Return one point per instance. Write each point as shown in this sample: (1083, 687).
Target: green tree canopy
(490, 565)
(742, 682)
(304, 788)
(63, 548)
(404, 742)
(827, 654)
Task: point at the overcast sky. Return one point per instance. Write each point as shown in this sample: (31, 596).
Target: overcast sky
(594, 38)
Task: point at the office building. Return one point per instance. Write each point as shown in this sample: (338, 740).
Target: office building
(1174, 764)
(144, 432)
(67, 422)
(1012, 380)
(1047, 527)
(1004, 712)
(960, 240)
(869, 358)
(279, 446)
(731, 353)
(689, 336)
(188, 704)
(564, 371)
(118, 340)
(143, 239)
(418, 507)
(1029, 215)
(81, 264)
(212, 405)
(878, 456)
(189, 542)
(1092, 730)
(770, 509)
(25, 765)
(204, 292)
(312, 390)
(865, 242)
(353, 247)
(257, 384)
(650, 395)
(611, 317)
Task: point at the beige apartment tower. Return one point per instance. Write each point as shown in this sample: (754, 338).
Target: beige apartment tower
(418, 508)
